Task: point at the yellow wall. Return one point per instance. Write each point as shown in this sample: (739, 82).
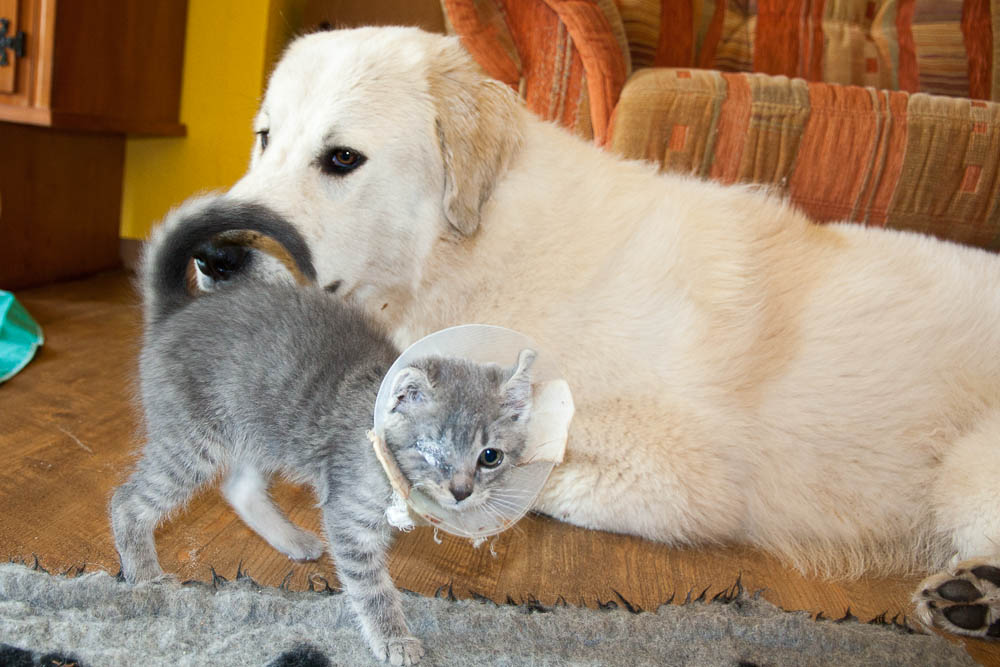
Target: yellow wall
(229, 44)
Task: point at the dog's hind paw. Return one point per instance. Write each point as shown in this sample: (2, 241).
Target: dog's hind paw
(964, 600)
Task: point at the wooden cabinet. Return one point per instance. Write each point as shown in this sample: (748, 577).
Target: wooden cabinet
(107, 65)
(92, 72)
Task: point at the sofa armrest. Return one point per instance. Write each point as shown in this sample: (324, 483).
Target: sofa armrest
(567, 58)
(885, 158)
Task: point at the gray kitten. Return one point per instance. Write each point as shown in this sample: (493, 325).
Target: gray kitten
(256, 379)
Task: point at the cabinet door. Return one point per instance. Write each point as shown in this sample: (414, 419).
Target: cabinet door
(104, 66)
(24, 83)
(8, 71)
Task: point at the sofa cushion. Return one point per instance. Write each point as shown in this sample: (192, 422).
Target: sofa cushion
(885, 158)
(945, 47)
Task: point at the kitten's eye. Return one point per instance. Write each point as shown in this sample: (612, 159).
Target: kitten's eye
(490, 458)
(263, 134)
(341, 160)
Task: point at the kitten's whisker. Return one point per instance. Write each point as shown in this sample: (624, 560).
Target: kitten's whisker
(510, 512)
(512, 504)
(517, 500)
(526, 495)
(497, 505)
(499, 515)
(528, 513)
(510, 491)
(497, 509)
(488, 506)
(520, 530)
(509, 507)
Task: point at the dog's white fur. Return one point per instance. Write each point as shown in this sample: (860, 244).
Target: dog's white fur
(830, 393)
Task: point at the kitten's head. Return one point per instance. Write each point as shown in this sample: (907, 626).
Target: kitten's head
(456, 428)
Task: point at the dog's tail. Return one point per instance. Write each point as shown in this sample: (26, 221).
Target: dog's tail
(219, 236)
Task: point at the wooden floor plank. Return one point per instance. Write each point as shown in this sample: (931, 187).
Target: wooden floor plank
(69, 430)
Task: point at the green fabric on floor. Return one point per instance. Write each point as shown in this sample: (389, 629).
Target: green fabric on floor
(20, 336)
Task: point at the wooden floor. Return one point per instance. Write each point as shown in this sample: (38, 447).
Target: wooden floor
(68, 430)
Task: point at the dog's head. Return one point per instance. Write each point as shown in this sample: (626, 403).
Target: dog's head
(376, 143)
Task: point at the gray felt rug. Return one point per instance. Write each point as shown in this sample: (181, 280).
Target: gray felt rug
(97, 620)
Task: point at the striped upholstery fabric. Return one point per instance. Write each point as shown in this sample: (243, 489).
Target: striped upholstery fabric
(885, 158)
(944, 47)
(889, 155)
(567, 58)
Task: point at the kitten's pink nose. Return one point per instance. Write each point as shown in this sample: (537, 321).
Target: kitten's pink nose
(461, 492)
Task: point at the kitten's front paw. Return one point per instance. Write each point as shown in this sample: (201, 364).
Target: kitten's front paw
(167, 578)
(163, 578)
(304, 546)
(399, 650)
(143, 570)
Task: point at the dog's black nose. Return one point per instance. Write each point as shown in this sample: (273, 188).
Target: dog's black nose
(234, 232)
(221, 262)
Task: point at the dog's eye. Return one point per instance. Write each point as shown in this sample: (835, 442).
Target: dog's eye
(263, 134)
(340, 160)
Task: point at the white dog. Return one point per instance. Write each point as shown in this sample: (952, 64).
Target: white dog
(829, 393)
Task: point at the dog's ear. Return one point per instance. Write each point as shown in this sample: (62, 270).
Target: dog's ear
(479, 130)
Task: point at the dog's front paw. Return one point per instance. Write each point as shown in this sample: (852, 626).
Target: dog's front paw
(399, 650)
(963, 601)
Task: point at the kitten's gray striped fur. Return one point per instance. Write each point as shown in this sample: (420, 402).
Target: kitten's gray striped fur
(255, 379)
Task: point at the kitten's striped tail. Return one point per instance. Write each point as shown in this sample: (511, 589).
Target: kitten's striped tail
(192, 231)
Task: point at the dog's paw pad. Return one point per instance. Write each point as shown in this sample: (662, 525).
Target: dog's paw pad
(964, 601)
(967, 616)
(987, 572)
(958, 590)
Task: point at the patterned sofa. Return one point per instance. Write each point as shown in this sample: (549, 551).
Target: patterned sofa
(876, 111)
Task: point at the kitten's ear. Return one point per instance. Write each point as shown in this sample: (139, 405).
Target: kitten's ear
(410, 388)
(516, 392)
